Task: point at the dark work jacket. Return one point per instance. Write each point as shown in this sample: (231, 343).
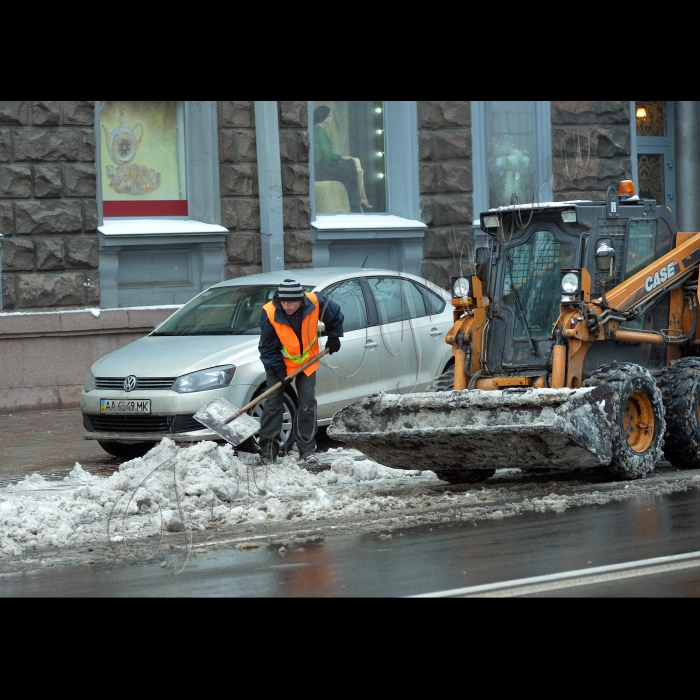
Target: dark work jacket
(270, 345)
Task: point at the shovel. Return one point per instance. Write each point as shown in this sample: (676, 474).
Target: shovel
(234, 424)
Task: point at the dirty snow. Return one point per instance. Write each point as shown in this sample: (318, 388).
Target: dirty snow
(214, 489)
(207, 487)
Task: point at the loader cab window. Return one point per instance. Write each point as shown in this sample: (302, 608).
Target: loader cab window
(641, 249)
(531, 283)
(641, 245)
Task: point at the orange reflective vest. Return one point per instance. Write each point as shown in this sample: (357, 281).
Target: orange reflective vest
(293, 354)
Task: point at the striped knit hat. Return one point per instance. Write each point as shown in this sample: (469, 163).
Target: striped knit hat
(290, 290)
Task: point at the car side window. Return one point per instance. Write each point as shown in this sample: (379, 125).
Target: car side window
(397, 299)
(432, 299)
(352, 303)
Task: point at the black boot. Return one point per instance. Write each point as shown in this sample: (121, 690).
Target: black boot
(269, 451)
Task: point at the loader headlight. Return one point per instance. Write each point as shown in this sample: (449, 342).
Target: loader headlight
(570, 286)
(205, 379)
(570, 283)
(461, 287)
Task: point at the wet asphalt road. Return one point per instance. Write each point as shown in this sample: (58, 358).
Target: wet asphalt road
(420, 561)
(50, 443)
(430, 559)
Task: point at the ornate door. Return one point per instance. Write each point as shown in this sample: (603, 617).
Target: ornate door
(654, 136)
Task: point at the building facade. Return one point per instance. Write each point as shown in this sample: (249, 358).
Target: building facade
(114, 213)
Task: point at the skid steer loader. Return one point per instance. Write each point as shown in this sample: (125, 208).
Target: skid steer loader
(574, 345)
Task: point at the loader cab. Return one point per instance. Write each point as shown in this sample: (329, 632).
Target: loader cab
(530, 244)
(639, 231)
(528, 251)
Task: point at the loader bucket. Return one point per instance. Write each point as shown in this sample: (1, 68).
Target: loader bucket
(474, 429)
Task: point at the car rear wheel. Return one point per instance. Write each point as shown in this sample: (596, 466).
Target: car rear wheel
(126, 450)
(444, 382)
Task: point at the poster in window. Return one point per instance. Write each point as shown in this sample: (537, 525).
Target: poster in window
(141, 151)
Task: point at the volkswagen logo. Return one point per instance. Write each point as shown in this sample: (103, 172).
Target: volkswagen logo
(130, 383)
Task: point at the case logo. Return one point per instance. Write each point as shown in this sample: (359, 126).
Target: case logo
(665, 273)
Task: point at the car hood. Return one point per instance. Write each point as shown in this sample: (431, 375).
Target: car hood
(173, 356)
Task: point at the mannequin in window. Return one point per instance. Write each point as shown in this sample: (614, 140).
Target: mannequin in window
(332, 166)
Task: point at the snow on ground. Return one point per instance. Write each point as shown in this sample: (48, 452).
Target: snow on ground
(206, 486)
(193, 488)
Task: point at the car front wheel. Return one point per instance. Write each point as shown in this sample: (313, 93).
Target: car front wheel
(126, 450)
(252, 444)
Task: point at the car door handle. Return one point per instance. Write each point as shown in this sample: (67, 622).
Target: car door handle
(435, 332)
(371, 344)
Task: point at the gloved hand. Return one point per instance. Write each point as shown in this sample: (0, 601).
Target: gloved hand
(332, 345)
(280, 375)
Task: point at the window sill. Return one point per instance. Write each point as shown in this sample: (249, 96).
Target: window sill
(366, 222)
(157, 227)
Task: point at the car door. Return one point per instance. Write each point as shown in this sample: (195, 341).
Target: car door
(409, 356)
(355, 371)
(432, 329)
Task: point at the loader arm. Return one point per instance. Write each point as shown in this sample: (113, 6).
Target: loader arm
(658, 277)
(584, 323)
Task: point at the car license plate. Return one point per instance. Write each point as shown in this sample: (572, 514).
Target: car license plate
(130, 406)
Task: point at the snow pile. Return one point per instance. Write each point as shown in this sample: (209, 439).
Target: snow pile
(198, 487)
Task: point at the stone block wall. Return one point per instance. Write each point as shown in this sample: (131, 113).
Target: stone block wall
(48, 207)
(240, 205)
(591, 148)
(445, 182)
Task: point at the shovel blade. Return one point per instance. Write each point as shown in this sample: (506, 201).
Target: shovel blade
(237, 431)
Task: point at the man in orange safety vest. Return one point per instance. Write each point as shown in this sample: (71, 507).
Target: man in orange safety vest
(288, 338)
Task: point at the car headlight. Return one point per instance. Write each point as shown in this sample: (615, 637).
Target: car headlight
(461, 287)
(89, 382)
(570, 283)
(205, 379)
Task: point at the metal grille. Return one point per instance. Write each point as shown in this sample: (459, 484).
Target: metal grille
(186, 424)
(528, 260)
(531, 283)
(141, 424)
(617, 234)
(141, 383)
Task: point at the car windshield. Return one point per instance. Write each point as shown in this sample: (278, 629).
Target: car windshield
(222, 311)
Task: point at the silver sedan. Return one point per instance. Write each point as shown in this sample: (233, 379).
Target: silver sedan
(395, 326)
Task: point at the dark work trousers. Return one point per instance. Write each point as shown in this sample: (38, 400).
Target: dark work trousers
(304, 427)
(344, 171)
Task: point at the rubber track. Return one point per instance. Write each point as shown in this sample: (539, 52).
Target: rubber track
(624, 379)
(680, 388)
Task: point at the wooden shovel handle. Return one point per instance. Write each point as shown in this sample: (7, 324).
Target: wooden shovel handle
(277, 386)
